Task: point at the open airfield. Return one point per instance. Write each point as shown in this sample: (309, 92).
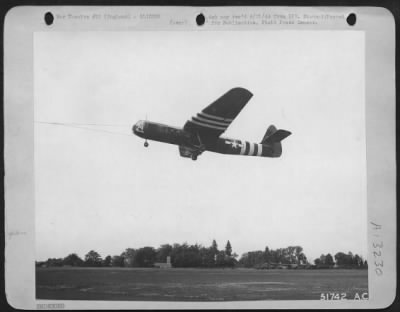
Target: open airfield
(152, 284)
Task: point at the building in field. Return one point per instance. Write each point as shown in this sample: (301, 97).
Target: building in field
(164, 265)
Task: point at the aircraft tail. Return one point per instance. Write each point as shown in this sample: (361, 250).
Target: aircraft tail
(274, 135)
(273, 138)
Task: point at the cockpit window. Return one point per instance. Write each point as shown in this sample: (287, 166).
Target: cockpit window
(140, 126)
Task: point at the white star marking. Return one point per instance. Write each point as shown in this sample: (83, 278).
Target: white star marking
(234, 144)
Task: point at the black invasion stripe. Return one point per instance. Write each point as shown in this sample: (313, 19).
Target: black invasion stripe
(213, 117)
(211, 122)
(255, 149)
(202, 117)
(246, 151)
(203, 124)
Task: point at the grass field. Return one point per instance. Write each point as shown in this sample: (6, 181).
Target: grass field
(196, 284)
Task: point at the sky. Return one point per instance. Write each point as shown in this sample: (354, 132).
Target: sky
(103, 191)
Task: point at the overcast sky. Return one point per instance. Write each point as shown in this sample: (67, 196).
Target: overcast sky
(95, 190)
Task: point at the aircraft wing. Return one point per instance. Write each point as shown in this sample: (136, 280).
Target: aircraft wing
(212, 121)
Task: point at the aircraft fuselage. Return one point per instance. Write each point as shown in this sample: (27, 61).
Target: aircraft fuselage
(196, 144)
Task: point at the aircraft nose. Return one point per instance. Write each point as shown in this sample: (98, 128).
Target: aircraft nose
(135, 127)
(138, 128)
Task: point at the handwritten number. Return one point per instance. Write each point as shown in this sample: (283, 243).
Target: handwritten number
(378, 271)
(377, 253)
(376, 245)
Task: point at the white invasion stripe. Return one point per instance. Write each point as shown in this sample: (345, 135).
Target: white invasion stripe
(206, 125)
(196, 120)
(201, 116)
(251, 149)
(259, 152)
(216, 117)
(243, 147)
(218, 123)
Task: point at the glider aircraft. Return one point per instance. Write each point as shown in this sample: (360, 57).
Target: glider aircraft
(203, 131)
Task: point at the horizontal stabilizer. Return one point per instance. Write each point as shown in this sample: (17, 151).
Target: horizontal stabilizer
(276, 137)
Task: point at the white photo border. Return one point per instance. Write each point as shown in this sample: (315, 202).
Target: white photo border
(20, 25)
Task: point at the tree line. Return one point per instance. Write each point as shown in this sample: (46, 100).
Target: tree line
(283, 256)
(185, 255)
(342, 260)
(181, 255)
(294, 257)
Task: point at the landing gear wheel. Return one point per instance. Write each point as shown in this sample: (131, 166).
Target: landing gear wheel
(146, 144)
(194, 157)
